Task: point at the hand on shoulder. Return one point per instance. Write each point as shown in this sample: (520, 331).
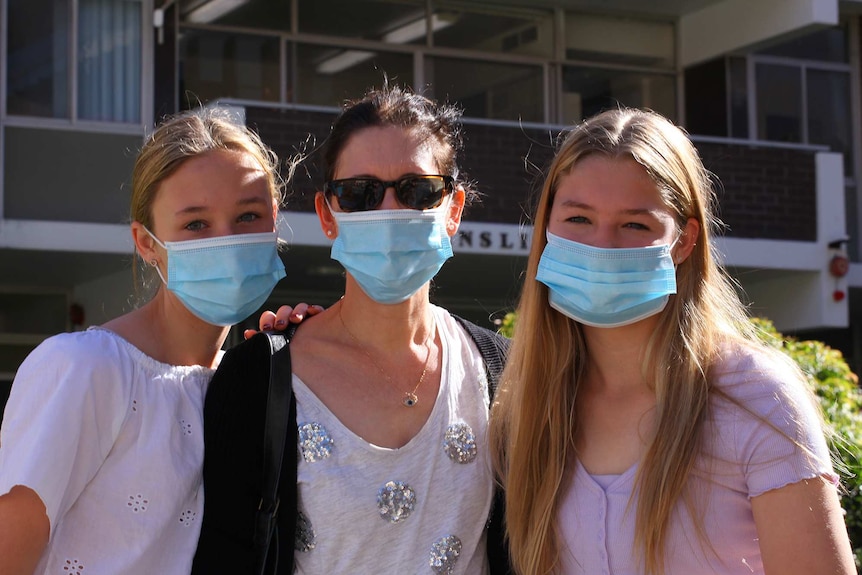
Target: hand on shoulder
(285, 314)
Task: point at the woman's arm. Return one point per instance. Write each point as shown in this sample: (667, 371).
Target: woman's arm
(24, 531)
(801, 530)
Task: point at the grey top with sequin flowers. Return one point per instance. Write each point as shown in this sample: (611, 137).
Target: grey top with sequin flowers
(419, 509)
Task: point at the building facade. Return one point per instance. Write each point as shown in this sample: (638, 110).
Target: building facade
(768, 89)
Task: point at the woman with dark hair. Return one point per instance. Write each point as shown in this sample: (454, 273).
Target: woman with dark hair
(392, 399)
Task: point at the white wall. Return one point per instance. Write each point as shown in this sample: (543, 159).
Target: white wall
(789, 282)
(734, 24)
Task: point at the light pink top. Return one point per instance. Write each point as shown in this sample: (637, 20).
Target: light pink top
(743, 458)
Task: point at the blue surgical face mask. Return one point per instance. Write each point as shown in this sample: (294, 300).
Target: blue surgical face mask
(392, 253)
(606, 287)
(223, 280)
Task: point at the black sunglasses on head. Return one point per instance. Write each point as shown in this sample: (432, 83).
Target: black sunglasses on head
(416, 192)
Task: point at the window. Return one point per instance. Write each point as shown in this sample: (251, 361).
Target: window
(488, 89)
(829, 45)
(829, 120)
(738, 104)
(327, 75)
(225, 65)
(588, 91)
(392, 21)
(593, 40)
(517, 32)
(109, 60)
(269, 14)
(499, 61)
(779, 102)
(798, 92)
(106, 82)
(37, 66)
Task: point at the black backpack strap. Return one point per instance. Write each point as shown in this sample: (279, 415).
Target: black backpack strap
(280, 411)
(493, 348)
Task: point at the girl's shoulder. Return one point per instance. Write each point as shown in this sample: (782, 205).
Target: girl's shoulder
(757, 389)
(90, 347)
(745, 371)
(99, 350)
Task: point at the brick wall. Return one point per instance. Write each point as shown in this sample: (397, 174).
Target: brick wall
(290, 132)
(764, 193)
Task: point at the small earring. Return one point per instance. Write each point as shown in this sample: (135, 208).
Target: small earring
(154, 263)
(329, 233)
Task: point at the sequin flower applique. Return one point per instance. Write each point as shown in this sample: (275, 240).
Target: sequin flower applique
(395, 501)
(444, 554)
(459, 443)
(315, 442)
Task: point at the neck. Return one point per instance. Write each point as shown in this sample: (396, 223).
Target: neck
(166, 331)
(383, 326)
(616, 355)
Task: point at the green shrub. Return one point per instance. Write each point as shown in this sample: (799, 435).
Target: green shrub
(506, 326)
(837, 389)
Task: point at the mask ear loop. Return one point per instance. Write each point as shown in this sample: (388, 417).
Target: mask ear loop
(330, 233)
(673, 245)
(153, 262)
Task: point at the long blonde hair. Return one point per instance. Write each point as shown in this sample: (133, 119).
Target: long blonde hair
(534, 419)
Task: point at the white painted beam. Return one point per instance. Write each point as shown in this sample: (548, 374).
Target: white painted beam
(737, 24)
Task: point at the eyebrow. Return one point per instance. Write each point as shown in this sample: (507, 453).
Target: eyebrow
(249, 201)
(587, 207)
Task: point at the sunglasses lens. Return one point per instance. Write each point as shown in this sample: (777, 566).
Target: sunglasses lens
(356, 194)
(422, 192)
(416, 192)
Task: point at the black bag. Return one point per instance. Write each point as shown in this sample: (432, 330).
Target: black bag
(249, 403)
(249, 521)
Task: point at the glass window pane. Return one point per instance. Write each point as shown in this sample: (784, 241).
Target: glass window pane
(706, 98)
(488, 89)
(326, 76)
(619, 40)
(37, 67)
(829, 121)
(502, 32)
(588, 91)
(402, 20)
(222, 65)
(269, 14)
(779, 102)
(109, 60)
(738, 97)
(829, 45)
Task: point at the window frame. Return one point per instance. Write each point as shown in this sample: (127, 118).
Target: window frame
(72, 120)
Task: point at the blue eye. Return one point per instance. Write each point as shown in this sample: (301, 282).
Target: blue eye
(637, 226)
(248, 217)
(195, 226)
(578, 220)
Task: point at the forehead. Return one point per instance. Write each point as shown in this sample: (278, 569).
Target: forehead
(214, 174)
(386, 152)
(605, 182)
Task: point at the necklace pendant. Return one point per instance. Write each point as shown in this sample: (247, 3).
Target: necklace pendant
(410, 399)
